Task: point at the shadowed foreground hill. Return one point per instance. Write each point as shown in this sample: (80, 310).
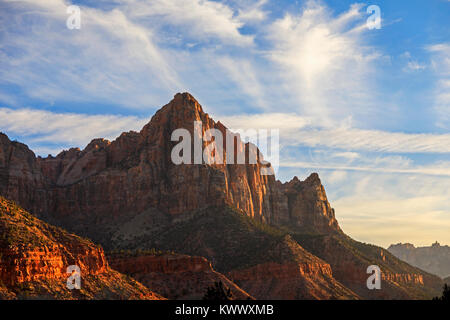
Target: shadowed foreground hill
(34, 257)
(173, 275)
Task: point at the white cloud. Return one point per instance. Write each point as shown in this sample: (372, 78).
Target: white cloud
(324, 61)
(244, 73)
(110, 59)
(337, 176)
(201, 19)
(414, 66)
(302, 131)
(252, 12)
(411, 64)
(38, 127)
(441, 66)
(373, 140)
(264, 121)
(431, 170)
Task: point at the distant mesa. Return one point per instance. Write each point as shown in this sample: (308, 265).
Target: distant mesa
(434, 259)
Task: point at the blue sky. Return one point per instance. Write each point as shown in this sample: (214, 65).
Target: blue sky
(367, 109)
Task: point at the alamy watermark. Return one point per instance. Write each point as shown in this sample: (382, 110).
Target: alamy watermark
(374, 21)
(374, 281)
(210, 147)
(74, 280)
(74, 20)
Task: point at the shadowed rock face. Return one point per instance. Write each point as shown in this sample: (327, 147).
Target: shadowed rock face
(108, 181)
(434, 259)
(297, 274)
(175, 276)
(34, 257)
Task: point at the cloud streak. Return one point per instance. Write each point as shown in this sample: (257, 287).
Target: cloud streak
(38, 128)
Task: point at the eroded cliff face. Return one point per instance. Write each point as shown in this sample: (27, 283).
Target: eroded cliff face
(34, 257)
(24, 263)
(175, 276)
(308, 205)
(108, 181)
(21, 178)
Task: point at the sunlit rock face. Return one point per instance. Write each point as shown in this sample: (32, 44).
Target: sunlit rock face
(35, 256)
(110, 180)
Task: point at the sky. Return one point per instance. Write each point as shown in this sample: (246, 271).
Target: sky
(366, 108)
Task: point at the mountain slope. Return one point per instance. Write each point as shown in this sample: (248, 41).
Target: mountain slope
(434, 259)
(262, 260)
(129, 194)
(34, 257)
(172, 275)
(350, 259)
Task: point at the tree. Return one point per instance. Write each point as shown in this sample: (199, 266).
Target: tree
(445, 295)
(218, 293)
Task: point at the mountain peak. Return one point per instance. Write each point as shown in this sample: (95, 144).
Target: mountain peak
(313, 178)
(186, 100)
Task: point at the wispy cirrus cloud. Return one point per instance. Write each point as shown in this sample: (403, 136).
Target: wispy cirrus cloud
(110, 59)
(297, 130)
(325, 61)
(42, 129)
(441, 65)
(199, 19)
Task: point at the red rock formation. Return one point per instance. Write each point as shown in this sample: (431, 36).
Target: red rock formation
(308, 205)
(294, 274)
(34, 257)
(135, 172)
(108, 189)
(175, 276)
(22, 264)
(350, 259)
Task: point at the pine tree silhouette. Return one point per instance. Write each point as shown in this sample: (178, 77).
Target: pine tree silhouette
(218, 292)
(445, 295)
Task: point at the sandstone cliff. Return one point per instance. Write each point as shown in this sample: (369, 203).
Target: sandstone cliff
(434, 259)
(110, 181)
(34, 257)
